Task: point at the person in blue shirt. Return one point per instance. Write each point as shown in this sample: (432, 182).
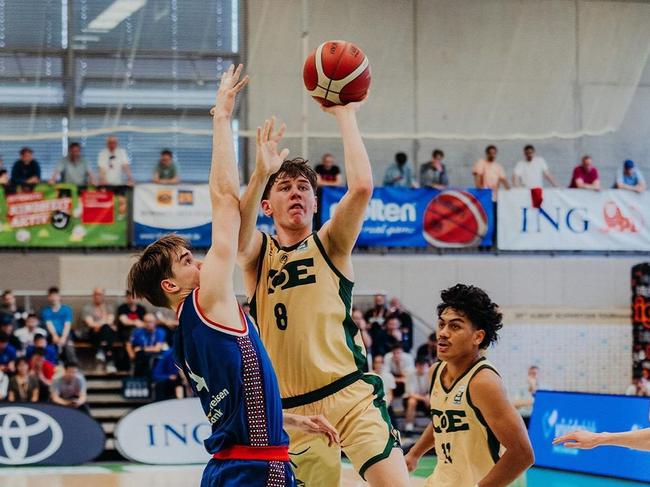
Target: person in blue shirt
(51, 351)
(146, 343)
(216, 345)
(399, 174)
(168, 383)
(26, 170)
(7, 354)
(57, 318)
(629, 177)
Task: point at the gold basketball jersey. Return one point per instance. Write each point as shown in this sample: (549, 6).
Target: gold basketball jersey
(466, 447)
(302, 308)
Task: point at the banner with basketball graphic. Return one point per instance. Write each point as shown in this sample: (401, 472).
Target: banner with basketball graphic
(573, 219)
(641, 318)
(400, 217)
(63, 215)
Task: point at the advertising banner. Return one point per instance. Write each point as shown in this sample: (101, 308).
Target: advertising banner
(400, 217)
(165, 432)
(641, 317)
(63, 215)
(45, 434)
(557, 413)
(573, 219)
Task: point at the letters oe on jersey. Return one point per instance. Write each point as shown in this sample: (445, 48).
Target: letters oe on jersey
(292, 274)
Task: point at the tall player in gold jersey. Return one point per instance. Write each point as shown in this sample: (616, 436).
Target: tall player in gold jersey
(479, 437)
(300, 286)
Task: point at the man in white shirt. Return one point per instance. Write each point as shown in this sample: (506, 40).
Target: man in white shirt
(400, 364)
(113, 164)
(530, 172)
(27, 333)
(418, 389)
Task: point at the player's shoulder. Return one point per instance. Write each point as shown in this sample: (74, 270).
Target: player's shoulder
(485, 379)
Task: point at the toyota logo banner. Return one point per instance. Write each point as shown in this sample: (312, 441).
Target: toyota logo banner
(45, 434)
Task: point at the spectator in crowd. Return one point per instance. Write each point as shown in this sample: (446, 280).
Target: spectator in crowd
(416, 398)
(362, 325)
(44, 371)
(51, 352)
(130, 316)
(168, 383)
(7, 327)
(399, 175)
(27, 333)
(26, 170)
(166, 172)
(629, 177)
(377, 314)
(73, 168)
(406, 322)
(70, 388)
(8, 355)
(113, 164)
(429, 350)
(637, 388)
(585, 176)
(23, 387)
(389, 384)
(531, 171)
(400, 364)
(489, 174)
(433, 173)
(57, 318)
(146, 344)
(525, 396)
(645, 379)
(329, 174)
(4, 176)
(4, 386)
(168, 321)
(10, 307)
(99, 317)
(393, 328)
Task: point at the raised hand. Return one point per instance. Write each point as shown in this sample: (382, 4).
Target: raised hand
(229, 86)
(267, 159)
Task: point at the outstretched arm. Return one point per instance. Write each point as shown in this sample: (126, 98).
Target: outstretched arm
(217, 295)
(638, 440)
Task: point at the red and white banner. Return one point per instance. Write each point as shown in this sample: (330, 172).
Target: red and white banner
(573, 219)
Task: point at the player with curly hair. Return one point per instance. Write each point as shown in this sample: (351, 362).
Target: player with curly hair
(478, 436)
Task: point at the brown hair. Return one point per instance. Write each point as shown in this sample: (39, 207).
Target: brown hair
(293, 168)
(153, 266)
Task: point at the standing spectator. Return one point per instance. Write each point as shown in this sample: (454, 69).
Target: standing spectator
(51, 352)
(113, 164)
(489, 174)
(7, 355)
(416, 398)
(399, 175)
(585, 176)
(57, 318)
(329, 174)
(406, 322)
(433, 173)
(146, 344)
(525, 396)
(400, 364)
(70, 388)
(73, 168)
(26, 170)
(130, 316)
(168, 384)
(166, 172)
(389, 385)
(44, 371)
(377, 314)
(530, 172)
(9, 307)
(99, 317)
(23, 387)
(429, 350)
(630, 178)
(364, 329)
(7, 327)
(27, 333)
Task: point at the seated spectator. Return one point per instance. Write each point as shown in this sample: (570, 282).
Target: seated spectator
(168, 322)
(130, 315)
(146, 344)
(629, 177)
(433, 173)
(166, 172)
(4, 177)
(51, 351)
(399, 175)
(27, 333)
(429, 350)
(73, 168)
(585, 176)
(364, 329)
(113, 164)
(389, 385)
(416, 398)
(377, 314)
(393, 328)
(23, 387)
(26, 170)
(636, 388)
(168, 384)
(406, 322)
(9, 307)
(525, 396)
(489, 174)
(70, 388)
(57, 318)
(8, 355)
(328, 173)
(530, 172)
(4, 386)
(400, 364)
(8, 328)
(44, 371)
(99, 317)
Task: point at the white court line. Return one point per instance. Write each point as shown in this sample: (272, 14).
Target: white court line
(35, 471)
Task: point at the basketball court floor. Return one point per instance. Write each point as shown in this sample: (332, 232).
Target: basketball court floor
(131, 475)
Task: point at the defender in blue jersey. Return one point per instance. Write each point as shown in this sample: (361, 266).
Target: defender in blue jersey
(215, 344)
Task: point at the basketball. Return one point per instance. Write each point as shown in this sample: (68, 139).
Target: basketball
(337, 73)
